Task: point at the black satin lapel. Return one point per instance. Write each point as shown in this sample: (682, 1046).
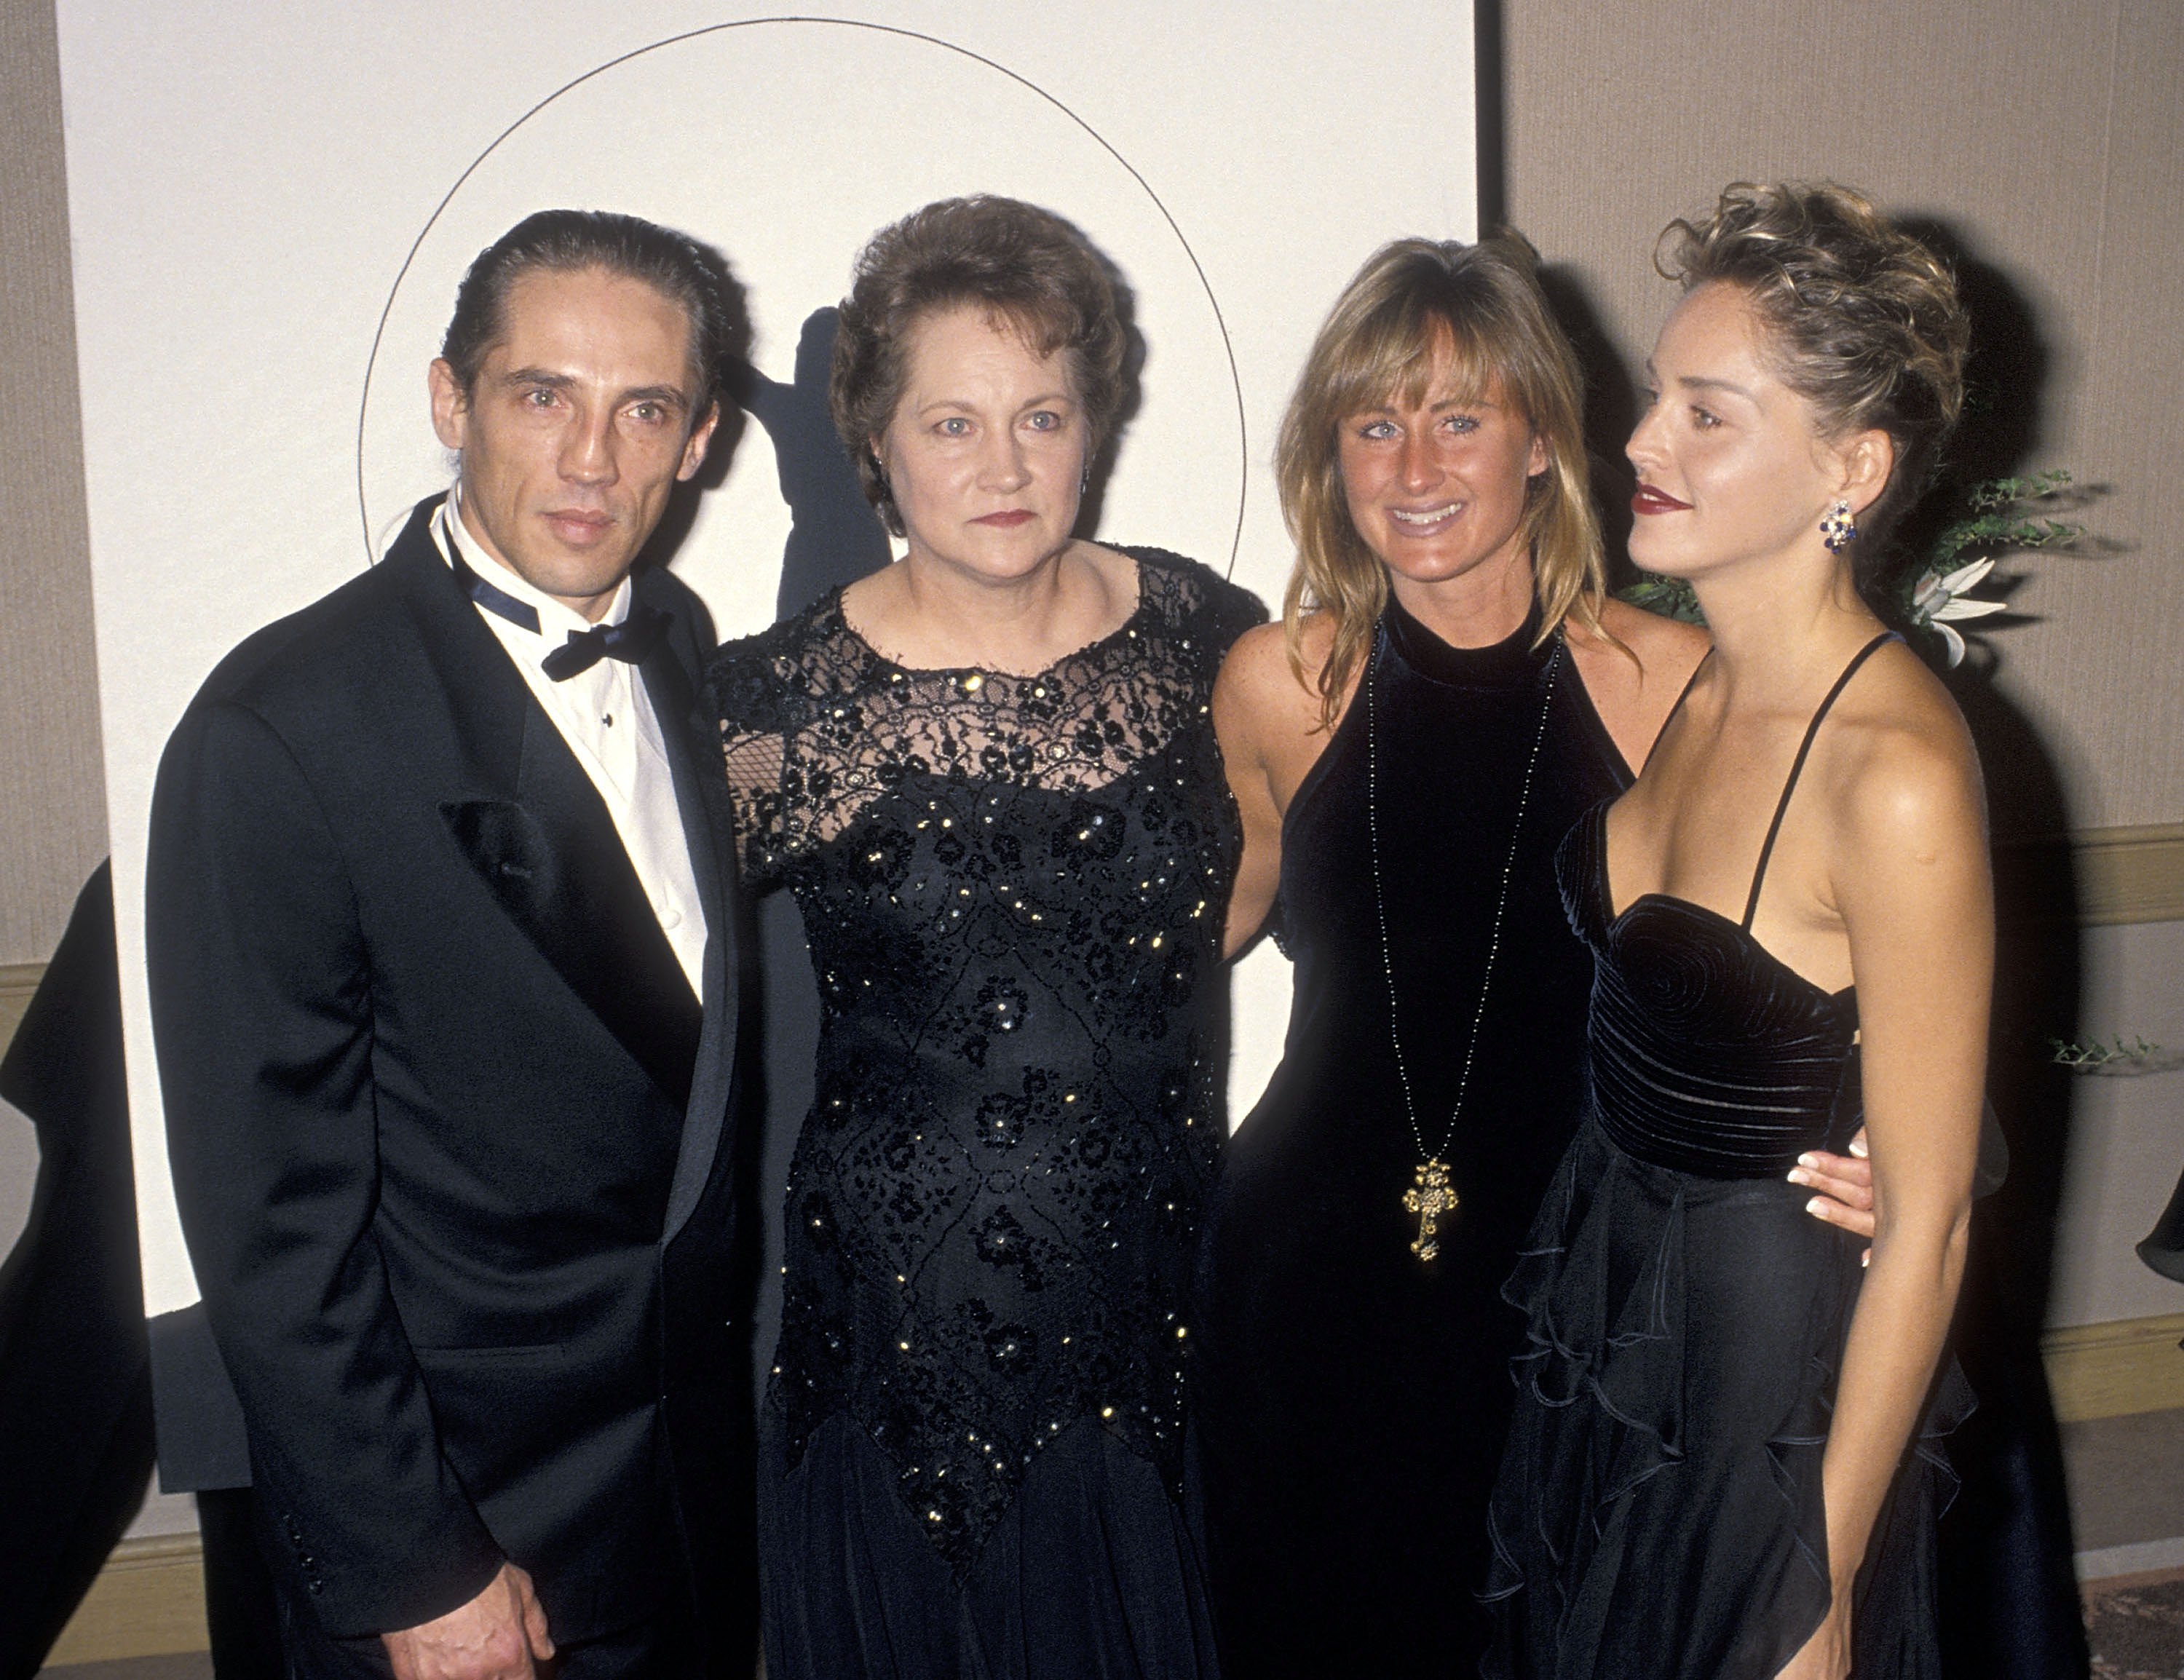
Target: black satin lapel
(701, 800)
(546, 848)
(485, 695)
(598, 928)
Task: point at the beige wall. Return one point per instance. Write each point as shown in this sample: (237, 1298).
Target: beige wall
(53, 796)
(2049, 136)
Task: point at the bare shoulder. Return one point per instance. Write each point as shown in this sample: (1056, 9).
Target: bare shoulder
(1634, 680)
(1257, 673)
(1902, 771)
(1264, 716)
(1667, 649)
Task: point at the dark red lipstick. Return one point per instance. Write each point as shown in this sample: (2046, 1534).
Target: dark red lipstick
(1648, 500)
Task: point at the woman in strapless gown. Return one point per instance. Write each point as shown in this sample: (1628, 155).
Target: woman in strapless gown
(1725, 1456)
(1405, 788)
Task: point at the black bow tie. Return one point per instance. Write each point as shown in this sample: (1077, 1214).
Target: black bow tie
(631, 640)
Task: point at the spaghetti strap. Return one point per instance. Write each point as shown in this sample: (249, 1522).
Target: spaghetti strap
(1797, 765)
(1682, 694)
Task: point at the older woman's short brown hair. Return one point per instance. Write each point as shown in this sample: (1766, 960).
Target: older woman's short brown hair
(1022, 265)
(1864, 323)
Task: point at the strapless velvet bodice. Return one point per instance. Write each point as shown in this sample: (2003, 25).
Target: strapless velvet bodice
(1709, 1055)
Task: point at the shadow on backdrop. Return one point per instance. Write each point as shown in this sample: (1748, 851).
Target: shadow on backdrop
(2011, 1597)
(1611, 409)
(834, 536)
(683, 499)
(2010, 1602)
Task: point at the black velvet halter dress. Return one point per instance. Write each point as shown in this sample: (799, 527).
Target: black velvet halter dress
(1659, 1515)
(1353, 1398)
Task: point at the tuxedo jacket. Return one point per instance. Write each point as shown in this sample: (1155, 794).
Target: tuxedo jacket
(445, 1118)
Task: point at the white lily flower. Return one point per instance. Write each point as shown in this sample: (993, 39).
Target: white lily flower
(1941, 598)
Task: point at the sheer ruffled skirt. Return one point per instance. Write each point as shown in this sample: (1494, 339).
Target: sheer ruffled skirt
(1658, 1514)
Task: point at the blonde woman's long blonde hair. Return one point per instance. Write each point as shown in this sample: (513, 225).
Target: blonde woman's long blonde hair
(1418, 306)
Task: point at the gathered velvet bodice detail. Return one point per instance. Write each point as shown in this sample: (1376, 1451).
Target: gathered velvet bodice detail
(1709, 1055)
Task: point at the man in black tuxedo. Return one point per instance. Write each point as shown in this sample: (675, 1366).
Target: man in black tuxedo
(439, 932)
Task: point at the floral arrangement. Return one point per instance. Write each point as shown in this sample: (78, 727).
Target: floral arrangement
(2114, 1057)
(2000, 514)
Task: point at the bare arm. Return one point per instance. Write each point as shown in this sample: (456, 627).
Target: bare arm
(1911, 883)
(1243, 697)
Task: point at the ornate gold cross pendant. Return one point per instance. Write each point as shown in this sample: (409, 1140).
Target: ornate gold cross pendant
(1430, 1198)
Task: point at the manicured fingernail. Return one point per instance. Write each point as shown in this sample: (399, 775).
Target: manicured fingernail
(1858, 1147)
(1798, 1175)
(1866, 1259)
(1808, 1161)
(1812, 1206)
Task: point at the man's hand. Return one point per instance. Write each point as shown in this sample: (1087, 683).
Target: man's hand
(1845, 1186)
(496, 1636)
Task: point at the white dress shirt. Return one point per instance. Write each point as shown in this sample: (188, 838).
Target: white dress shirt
(606, 717)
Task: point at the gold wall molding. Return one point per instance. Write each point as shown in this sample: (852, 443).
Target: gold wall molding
(2114, 1370)
(147, 1601)
(17, 982)
(2129, 874)
(2120, 875)
(2117, 876)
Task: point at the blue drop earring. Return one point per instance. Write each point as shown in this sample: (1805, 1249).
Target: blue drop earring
(1838, 530)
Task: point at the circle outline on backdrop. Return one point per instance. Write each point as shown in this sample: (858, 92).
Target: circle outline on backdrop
(1228, 348)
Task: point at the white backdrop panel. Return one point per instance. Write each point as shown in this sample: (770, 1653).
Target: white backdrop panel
(256, 190)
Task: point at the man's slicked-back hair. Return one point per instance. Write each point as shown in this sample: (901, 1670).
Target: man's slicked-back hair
(573, 242)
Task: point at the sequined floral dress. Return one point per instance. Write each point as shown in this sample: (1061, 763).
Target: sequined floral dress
(972, 1454)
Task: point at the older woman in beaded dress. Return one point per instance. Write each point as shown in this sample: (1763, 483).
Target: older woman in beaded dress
(988, 773)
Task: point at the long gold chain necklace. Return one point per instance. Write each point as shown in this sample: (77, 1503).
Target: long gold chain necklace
(1432, 1196)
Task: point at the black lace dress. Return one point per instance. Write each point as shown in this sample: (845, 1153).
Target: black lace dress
(972, 1460)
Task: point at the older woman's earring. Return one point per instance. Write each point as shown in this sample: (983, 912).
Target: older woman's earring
(1838, 530)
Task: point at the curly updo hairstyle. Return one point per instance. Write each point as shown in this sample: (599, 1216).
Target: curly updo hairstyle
(1865, 321)
(1023, 265)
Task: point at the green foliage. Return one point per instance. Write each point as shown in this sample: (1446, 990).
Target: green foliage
(2091, 1054)
(2003, 515)
(1669, 597)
